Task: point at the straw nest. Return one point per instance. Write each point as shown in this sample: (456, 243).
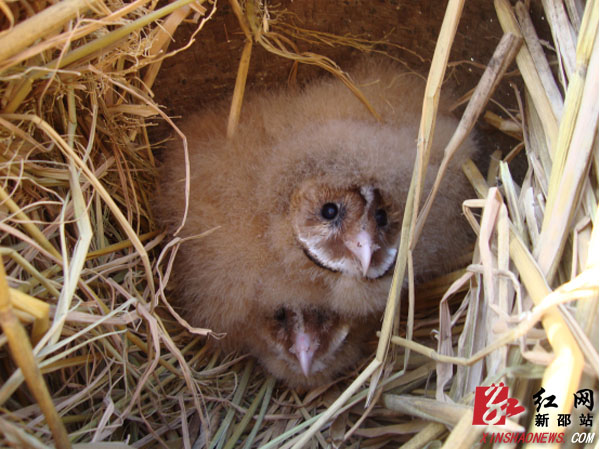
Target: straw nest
(90, 353)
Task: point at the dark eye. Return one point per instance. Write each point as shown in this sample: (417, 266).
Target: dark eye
(329, 211)
(280, 315)
(321, 317)
(381, 218)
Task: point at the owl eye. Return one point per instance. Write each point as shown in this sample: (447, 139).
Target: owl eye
(321, 318)
(381, 217)
(280, 314)
(329, 211)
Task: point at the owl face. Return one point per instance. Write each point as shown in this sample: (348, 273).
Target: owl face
(348, 230)
(305, 339)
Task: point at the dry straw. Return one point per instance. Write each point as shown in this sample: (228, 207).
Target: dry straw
(82, 285)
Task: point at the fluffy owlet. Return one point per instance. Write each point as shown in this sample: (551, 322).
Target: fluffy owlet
(307, 199)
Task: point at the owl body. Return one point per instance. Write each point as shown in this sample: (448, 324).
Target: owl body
(270, 191)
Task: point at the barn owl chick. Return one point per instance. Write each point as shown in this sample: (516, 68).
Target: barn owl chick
(306, 201)
(307, 346)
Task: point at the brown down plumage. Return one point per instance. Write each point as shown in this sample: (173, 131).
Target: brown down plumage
(307, 199)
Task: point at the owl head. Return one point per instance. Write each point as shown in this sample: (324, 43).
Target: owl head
(305, 345)
(349, 229)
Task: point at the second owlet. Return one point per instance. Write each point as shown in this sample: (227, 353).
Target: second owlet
(307, 199)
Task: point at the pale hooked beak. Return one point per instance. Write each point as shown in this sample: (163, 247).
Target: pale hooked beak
(304, 351)
(362, 246)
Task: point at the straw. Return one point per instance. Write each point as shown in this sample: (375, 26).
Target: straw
(82, 253)
(41, 25)
(21, 352)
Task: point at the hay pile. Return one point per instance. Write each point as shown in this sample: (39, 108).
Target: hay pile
(85, 268)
